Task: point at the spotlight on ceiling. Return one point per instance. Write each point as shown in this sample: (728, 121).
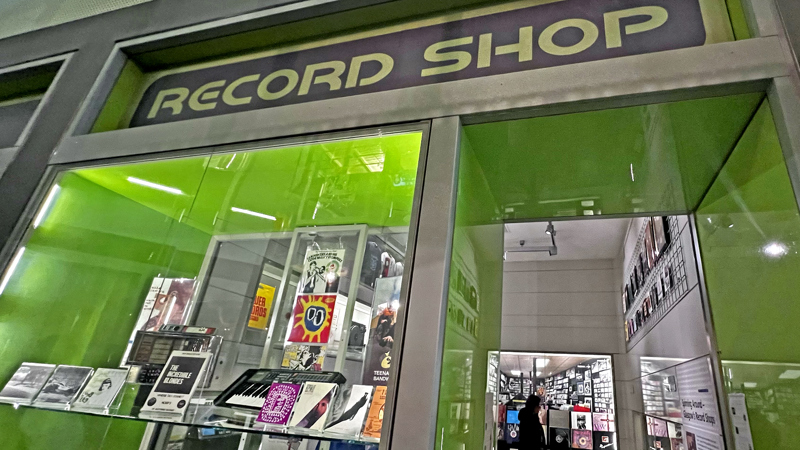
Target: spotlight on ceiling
(551, 230)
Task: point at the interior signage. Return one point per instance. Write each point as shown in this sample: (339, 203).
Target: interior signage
(537, 34)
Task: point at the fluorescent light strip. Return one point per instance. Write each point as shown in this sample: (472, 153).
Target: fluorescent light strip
(46, 206)
(11, 269)
(157, 186)
(253, 213)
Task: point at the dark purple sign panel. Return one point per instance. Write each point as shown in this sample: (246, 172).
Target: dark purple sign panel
(546, 35)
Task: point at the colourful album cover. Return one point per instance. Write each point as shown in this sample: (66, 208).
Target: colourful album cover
(603, 440)
(374, 423)
(279, 404)
(312, 318)
(603, 422)
(657, 427)
(102, 388)
(313, 405)
(64, 385)
(171, 302)
(303, 357)
(351, 419)
(581, 420)
(262, 304)
(582, 439)
(322, 270)
(560, 438)
(26, 382)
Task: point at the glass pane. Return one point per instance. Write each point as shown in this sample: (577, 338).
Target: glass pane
(274, 266)
(749, 228)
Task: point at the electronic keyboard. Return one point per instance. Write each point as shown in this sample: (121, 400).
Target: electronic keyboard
(251, 388)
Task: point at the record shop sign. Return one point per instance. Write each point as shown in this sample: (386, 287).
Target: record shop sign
(538, 34)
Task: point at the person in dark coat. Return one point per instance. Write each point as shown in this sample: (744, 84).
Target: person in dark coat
(531, 433)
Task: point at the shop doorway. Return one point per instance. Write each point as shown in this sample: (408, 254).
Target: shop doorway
(697, 206)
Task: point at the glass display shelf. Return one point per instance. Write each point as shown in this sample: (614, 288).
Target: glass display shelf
(201, 412)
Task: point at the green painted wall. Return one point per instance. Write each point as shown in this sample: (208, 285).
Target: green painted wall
(749, 230)
(478, 256)
(74, 299)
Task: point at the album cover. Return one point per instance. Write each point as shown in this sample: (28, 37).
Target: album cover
(313, 405)
(582, 439)
(581, 420)
(302, 357)
(386, 302)
(659, 443)
(649, 246)
(313, 315)
(571, 373)
(170, 305)
(603, 440)
(374, 423)
(262, 305)
(580, 388)
(560, 438)
(351, 420)
(279, 403)
(102, 388)
(677, 444)
(587, 387)
(661, 239)
(144, 314)
(176, 384)
(322, 270)
(558, 418)
(603, 422)
(691, 441)
(675, 430)
(64, 385)
(26, 382)
(657, 427)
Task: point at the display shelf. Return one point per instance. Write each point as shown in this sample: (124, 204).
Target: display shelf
(200, 413)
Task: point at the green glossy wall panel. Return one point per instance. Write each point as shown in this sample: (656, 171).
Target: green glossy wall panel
(473, 328)
(654, 158)
(749, 229)
(75, 296)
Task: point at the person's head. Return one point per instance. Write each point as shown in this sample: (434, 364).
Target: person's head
(533, 402)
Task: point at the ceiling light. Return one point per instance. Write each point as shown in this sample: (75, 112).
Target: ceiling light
(157, 186)
(539, 373)
(775, 249)
(11, 268)
(46, 206)
(750, 385)
(541, 362)
(551, 230)
(516, 373)
(790, 375)
(253, 213)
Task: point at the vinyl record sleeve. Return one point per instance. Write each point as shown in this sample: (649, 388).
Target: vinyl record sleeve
(352, 418)
(303, 357)
(102, 389)
(581, 420)
(64, 385)
(375, 416)
(560, 438)
(176, 384)
(604, 440)
(558, 418)
(603, 422)
(279, 403)
(322, 270)
(26, 382)
(582, 439)
(313, 405)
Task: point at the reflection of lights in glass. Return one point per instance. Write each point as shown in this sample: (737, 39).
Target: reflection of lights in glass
(46, 206)
(750, 385)
(775, 249)
(253, 213)
(541, 362)
(11, 268)
(157, 186)
(790, 375)
(231, 161)
(539, 373)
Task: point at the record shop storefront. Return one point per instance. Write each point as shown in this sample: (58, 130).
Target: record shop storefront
(302, 247)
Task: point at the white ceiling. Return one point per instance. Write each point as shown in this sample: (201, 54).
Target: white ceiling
(575, 239)
(523, 362)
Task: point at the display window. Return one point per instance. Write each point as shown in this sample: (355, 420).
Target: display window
(254, 289)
